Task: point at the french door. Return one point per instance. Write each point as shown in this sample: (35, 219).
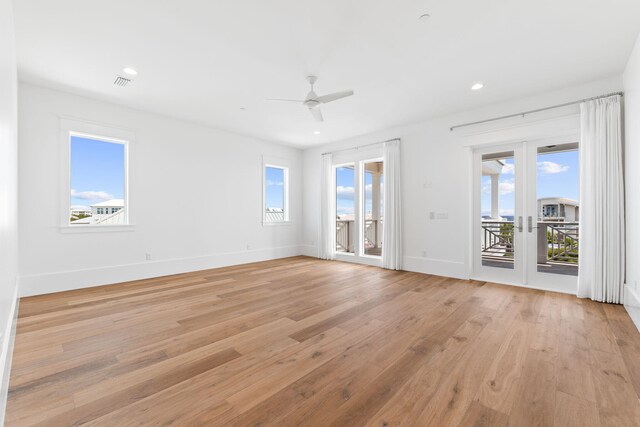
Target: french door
(359, 215)
(526, 214)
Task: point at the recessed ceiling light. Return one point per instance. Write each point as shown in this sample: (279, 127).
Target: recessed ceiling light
(424, 17)
(130, 71)
(316, 132)
(477, 86)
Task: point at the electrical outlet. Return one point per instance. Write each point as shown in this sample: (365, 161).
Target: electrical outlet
(148, 257)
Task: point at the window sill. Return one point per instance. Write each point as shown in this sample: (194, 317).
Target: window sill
(276, 223)
(72, 229)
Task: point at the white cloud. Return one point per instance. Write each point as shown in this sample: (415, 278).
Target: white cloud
(550, 168)
(506, 187)
(80, 207)
(91, 195)
(508, 169)
(345, 210)
(349, 192)
(271, 183)
(345, 192)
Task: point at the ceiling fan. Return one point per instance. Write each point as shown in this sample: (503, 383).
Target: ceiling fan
(313, 101)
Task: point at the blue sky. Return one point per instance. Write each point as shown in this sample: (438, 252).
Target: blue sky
(345, 193)
(97, 171)
(274, 188)
(345, 184)
(558, 176)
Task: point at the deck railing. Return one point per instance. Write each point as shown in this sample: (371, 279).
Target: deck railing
(497, 239)
(372, 230)
(562, 240)
(346, 228)
(344, 236)
(558, 241)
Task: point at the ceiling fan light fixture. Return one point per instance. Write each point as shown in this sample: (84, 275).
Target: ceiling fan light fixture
(130, 71)
(316, 132)
(313, 102)
(477, 86)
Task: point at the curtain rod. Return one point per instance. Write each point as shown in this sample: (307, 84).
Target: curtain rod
(523, 114)
(360, 146)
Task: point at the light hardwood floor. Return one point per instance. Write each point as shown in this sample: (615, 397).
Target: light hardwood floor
(300, 341)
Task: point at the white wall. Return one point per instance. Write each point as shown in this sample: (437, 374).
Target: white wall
(196, 192)
(435, 175)
(8, 192)
(632, 177)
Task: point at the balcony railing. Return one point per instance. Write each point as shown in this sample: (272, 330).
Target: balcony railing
(344, 236)
(345, 230)
(557, 241)
(560, 241)
(497, 239)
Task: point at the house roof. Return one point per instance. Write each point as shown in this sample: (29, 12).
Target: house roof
(274, 214)
(115, 203)
(561, 200)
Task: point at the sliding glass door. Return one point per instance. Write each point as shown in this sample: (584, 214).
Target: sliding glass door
(345, 208)
(553, 214)
(373, 208)
(526, 214)
(498, 205)
(359, 217)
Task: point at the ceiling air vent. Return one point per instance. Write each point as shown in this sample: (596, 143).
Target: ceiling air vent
(121, 81)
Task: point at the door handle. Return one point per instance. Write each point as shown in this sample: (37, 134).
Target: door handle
(530, 224)
(520, 224)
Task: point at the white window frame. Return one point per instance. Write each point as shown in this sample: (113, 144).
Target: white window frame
(286, 167)
(75, 127)
(358, 158)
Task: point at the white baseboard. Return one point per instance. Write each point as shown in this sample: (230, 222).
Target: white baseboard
(308, 250)
(77, 279)
(6, 352)
(438, 267)
(632, 304)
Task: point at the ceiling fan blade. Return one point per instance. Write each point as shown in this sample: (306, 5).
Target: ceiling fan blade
(334, 96)
(285, 100)
(316, 113)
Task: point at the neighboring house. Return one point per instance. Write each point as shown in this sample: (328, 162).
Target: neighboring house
(104, 209)
(111, 212)
(80, 211)
(558, 209)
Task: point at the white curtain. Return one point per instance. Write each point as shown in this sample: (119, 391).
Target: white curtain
(602, 253)
(327, 209)
(392, 234)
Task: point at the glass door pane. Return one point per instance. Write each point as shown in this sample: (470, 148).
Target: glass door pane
(555, 227)
(345, 208)
(373, 208)
(497, 229)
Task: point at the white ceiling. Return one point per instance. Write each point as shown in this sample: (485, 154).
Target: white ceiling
(202, 60)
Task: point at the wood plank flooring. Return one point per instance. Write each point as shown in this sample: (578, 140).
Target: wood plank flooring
(300, 341)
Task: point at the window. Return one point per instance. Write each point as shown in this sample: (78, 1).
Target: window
(345, 208)
(276, 194)
(97, 181)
